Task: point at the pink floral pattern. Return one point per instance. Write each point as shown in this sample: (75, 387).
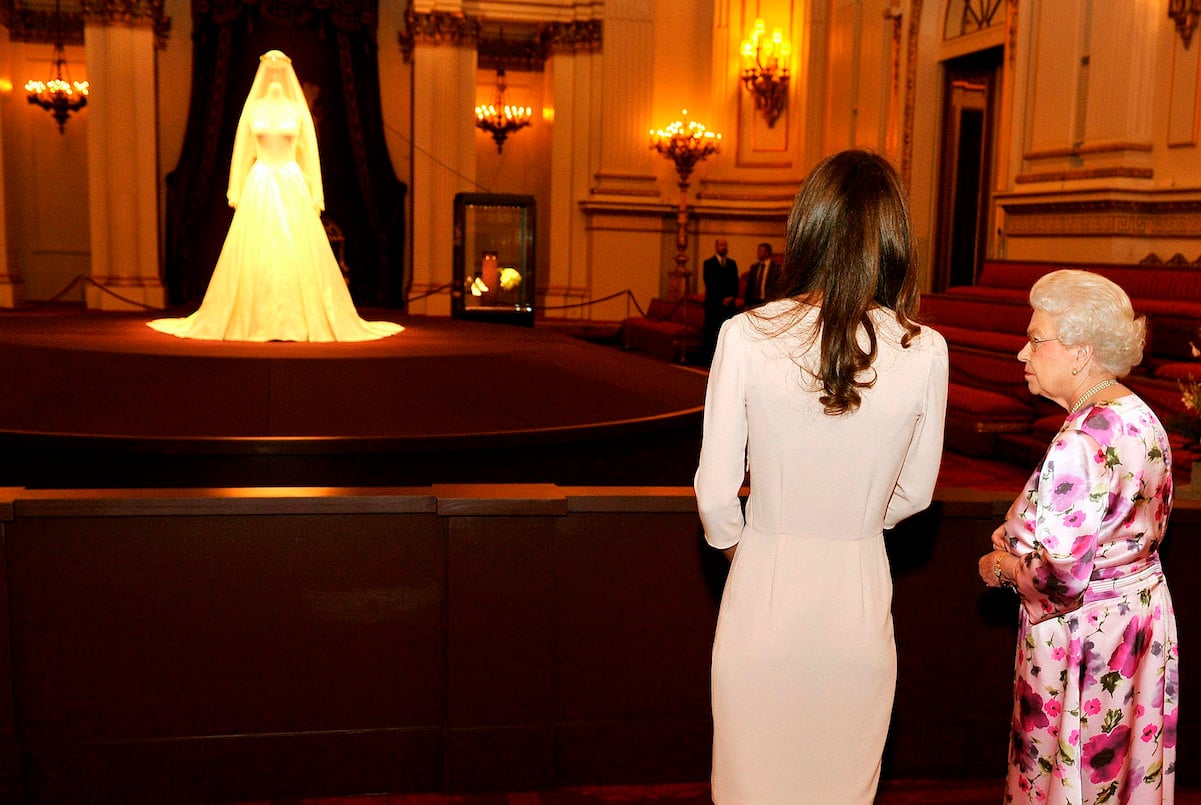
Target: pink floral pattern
(1095, 690)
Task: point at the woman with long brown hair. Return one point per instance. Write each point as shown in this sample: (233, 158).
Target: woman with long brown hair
(833, 399)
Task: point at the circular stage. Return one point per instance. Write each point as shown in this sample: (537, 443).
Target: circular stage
(100, 399)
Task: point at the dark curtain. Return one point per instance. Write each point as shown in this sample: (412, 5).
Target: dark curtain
(333, 47)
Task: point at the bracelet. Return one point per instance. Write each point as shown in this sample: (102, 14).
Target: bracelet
(996, 571)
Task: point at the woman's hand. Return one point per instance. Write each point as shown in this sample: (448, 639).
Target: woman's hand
(989, 565)
(1000, 540)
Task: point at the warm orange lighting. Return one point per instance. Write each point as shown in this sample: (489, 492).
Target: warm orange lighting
(499, 118)
(765, 69)
(58, 96)
(685, 144)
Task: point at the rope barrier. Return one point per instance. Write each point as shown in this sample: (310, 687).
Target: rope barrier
(71, 286)
(427, 294)
(630, 298)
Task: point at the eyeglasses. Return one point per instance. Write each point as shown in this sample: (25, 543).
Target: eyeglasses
(1035, 341)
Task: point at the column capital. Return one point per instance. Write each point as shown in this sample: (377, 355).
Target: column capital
(131, 14)
(438, 28)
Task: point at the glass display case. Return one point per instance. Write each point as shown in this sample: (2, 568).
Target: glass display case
(494, 258)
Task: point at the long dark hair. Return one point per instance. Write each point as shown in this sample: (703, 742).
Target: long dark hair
(850, 248)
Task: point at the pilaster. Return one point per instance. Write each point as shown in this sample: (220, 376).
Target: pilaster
(573, 67)
(626, 101)
(122, 165)
(443, 158)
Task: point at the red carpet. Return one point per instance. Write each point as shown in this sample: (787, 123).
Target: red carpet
(444, 401)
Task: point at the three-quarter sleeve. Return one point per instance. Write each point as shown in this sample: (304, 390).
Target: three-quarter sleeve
(915, 486)
(1068, 508)
(722, 466)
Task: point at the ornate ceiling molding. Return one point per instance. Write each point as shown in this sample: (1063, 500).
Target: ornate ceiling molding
(573, 37)
(129, 13)
(38, 26)
(438, 28)
(1103, 218)
(528, 50)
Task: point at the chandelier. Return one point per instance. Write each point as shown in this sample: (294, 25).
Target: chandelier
(765, 73)
(58, 96)
(685, 144)
(1185, 14)
(499, 118)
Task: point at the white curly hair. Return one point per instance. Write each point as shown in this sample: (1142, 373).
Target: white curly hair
(1090, 309)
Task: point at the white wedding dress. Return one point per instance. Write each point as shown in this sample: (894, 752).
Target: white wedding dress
(277, 278)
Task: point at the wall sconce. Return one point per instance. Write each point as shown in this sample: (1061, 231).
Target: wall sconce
(685, 144)
(1185, 14)
(499, 118)
(765, 70)
(58, 96)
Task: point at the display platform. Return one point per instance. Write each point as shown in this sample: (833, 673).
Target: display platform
(99, 399)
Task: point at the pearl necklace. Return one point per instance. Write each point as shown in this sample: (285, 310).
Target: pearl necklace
(1085, 396)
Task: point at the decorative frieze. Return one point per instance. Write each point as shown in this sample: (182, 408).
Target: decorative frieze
(129, 13)
(39, 26)
(583, 36)
(1076, 174)
(1104, 218)
(438, 28)
(526, 51)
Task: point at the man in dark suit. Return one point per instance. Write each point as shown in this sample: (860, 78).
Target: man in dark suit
(721, 292)
(762, 277)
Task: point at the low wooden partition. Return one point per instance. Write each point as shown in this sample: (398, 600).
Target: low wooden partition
(224, 644)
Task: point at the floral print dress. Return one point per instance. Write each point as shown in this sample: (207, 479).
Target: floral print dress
(1095, 691)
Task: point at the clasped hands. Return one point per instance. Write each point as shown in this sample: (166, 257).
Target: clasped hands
(997, 567)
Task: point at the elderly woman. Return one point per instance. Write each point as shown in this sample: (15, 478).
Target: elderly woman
(1094, 717)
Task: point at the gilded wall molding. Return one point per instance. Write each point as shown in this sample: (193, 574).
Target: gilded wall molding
(1084, 150)
(38, 26)
(523, 52)
(1106, 218)
(915, 26)
(438, 28)
(130, 14)
(1076, 174)
(583, 36)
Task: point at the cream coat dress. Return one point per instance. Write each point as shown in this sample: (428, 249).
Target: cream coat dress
(804, 661)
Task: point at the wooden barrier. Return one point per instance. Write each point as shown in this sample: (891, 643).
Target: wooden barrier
(216, 644)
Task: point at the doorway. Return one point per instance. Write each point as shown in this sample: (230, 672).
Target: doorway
(970, 96)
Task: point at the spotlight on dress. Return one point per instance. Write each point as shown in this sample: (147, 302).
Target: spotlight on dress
(277, 278)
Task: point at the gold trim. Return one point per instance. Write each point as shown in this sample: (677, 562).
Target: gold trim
(39, 27)
(915, 19)
(1084, 173)
(1081, 150)
(438, 28)
(1109, 218)
(584, 36)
